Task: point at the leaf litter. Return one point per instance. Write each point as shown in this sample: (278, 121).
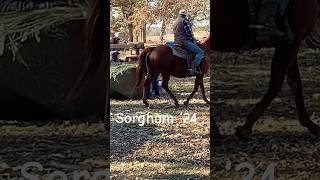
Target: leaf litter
(162, 151)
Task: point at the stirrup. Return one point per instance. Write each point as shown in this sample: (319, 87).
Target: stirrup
(194, 72)
(257, 26)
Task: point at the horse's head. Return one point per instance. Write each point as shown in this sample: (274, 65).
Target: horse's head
(207, 43)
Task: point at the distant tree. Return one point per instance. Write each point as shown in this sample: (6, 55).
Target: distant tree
(126, 9)
(136, 14)
(117, 21)
(198, 10)
(142, 15)
(164, 11)
(167, 10)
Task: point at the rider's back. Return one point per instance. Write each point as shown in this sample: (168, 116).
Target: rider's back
(180, 36)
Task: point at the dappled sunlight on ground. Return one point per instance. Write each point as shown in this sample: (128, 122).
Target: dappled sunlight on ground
(162, 151)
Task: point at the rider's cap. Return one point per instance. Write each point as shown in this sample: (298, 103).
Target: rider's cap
(183, 12)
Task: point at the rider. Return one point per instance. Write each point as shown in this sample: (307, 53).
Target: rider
(115, 40)
(183, 36)
(264, 21)
(114, 53)
(155, 88)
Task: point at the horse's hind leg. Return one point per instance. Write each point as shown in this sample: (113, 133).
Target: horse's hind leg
(279, 67)
(215, 130)
(204, 92)
(296, 86)
(165, 86)
(195, 89)
(146, 87)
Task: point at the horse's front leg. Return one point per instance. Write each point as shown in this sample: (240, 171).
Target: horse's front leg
(279, 67)
(165, 86)
(195, 89)
(296, 86)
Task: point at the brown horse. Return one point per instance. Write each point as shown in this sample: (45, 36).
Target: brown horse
(160, 60)
(302, 16)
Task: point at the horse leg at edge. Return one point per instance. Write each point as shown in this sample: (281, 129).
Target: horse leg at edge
(146, 87)
(195, 89)
(165, 86)
(279, 67)
(215, 132)
(296, 86)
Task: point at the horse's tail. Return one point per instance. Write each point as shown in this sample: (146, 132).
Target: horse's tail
(96, 40)
(142, 65)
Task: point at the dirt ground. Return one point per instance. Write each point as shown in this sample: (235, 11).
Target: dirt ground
(178, 150)
(67, 146)
(278, 140)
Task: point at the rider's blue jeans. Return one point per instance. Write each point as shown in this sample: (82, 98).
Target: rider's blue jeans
(195, 49)
(283, 5)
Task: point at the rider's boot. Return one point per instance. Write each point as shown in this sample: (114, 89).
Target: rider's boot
(194, 69)
(198, 69)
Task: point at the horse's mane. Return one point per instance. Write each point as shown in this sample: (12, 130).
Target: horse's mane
(206, 44)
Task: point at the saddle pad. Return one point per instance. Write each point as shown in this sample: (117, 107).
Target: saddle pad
(178, 51)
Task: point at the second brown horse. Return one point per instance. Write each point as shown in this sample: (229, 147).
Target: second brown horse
(230, 37)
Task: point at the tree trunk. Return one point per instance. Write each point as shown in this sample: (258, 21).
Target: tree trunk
(136, 35)
(144, 33)
(163, 30)
(141, 34)
(130, 28)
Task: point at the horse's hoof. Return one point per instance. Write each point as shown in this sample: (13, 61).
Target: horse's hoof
(186, 103)
(146, 105)
(243, 132)
(316, 133)
(217, 136)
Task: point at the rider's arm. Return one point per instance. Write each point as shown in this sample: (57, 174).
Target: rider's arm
(188, 30)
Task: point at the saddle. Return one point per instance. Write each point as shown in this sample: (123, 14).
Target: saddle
(181, 52)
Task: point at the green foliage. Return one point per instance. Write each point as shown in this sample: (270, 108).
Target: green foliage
(116, 70)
